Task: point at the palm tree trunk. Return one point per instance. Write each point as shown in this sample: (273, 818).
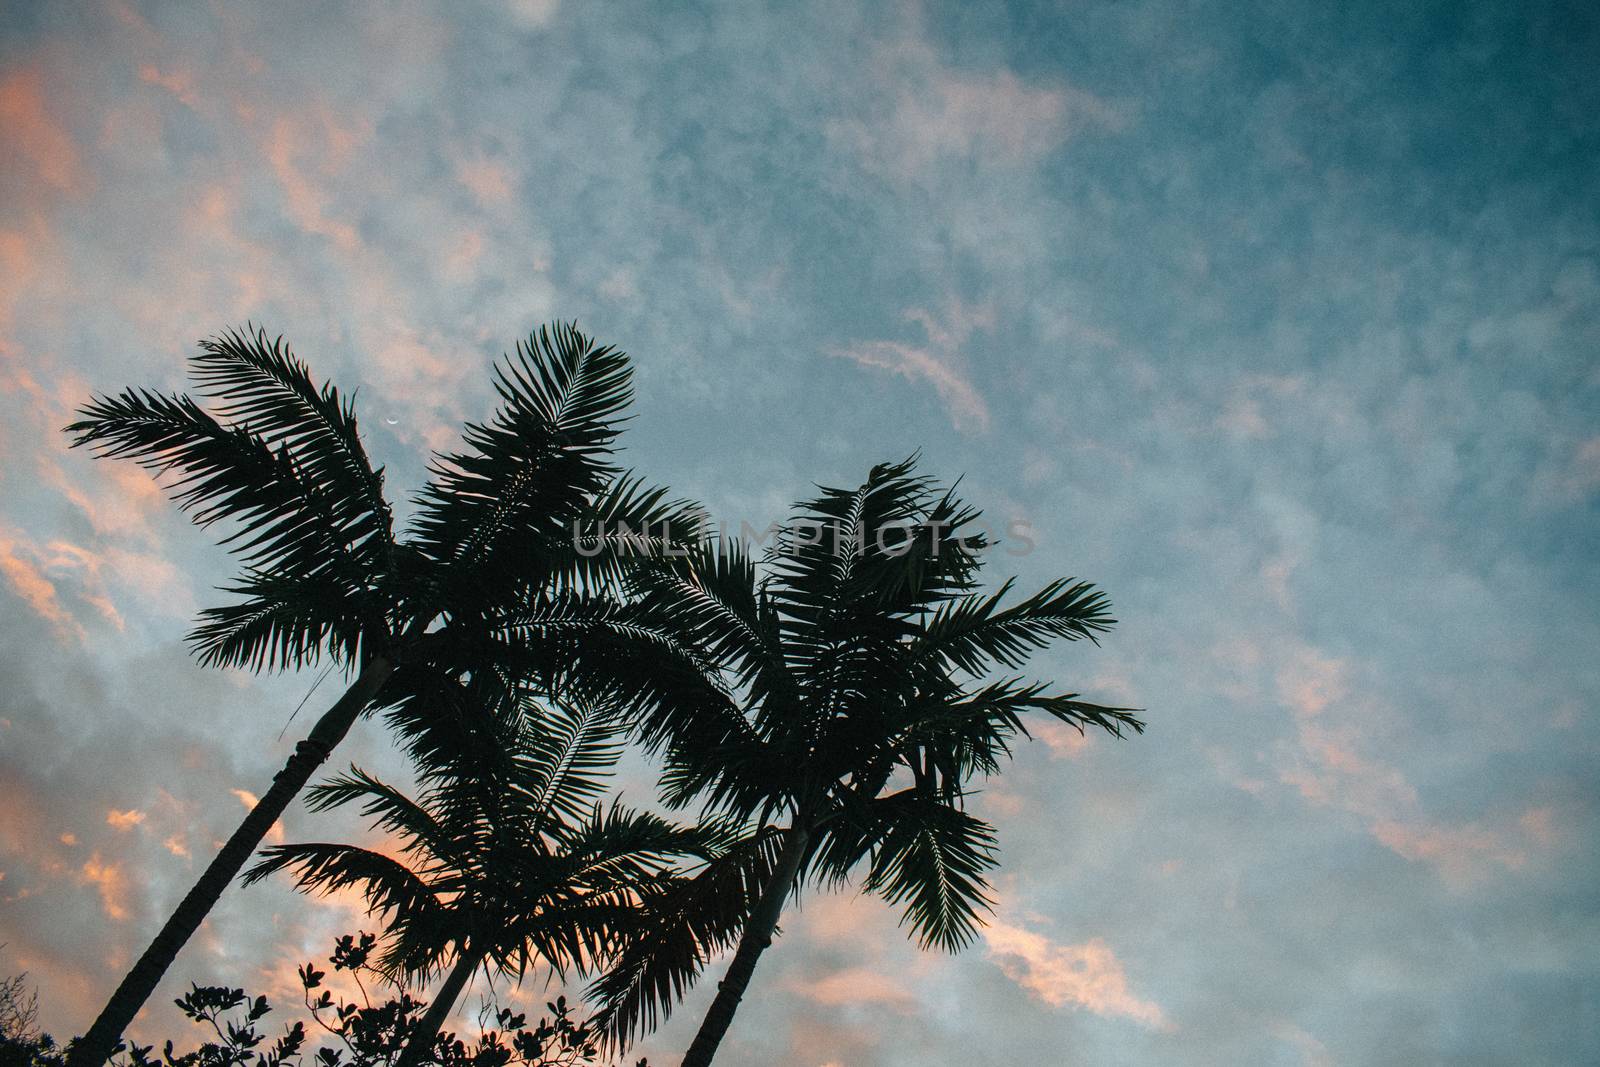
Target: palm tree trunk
(752, 943)
(422, 1039)
(96, 1046)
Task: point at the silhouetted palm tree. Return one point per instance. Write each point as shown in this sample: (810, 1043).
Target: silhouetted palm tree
(280, 459)
(510, 861)
(861, 661)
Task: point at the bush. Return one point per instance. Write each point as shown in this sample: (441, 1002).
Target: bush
(348, 1034)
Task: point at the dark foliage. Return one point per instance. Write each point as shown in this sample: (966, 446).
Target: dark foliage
(333, 1033)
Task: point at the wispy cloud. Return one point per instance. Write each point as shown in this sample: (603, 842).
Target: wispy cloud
(33, 138)
(936, 362)
(1085, 975)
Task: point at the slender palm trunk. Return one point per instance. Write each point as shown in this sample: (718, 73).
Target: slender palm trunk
(752, 943)
(427, 1032)
(95, 1047)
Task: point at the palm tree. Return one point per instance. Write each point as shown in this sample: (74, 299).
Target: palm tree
(324, 574)
(510, 861)
(863, 661)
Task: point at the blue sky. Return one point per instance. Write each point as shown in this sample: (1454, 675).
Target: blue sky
(1277, 321)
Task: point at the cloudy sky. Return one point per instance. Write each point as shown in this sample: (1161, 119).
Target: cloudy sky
(1278, 321)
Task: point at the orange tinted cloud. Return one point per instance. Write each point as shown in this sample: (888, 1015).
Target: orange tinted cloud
(124, 820)
(1086, 975)
(112, 884)
(491, 183)
(1329, 768)
(1465, 853)
(937, 362)
(1062, 740)
(29, 135)
(858, 985)
(177, 82)
(129, 499)
(36, 590)
(287, 145)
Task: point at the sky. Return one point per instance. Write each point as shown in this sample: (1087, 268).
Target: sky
(1277, 321)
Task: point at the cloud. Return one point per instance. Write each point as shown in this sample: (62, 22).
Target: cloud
(112, 884)
(491, 182)
(858, 985)
(124, 820)
(1328, 766)
(532, 14)
(926, 112)
(1313, 1052)
(30, 135)
(1086, 975)
(18, 565)
(935, 362)
(319, 140)
(121, 500)
(180, 83)
(1330, 448)
(1063, 741)
(33, 571)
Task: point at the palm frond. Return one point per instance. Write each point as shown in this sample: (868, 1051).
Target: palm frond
(267, 390)
(709, 598)
(498, 510)
(973, 632)
(284, 622)
(288, 523)
(681, 927)
(389, 810)
(573, 748)
(624, 524)
(931, 857)
(389, 887)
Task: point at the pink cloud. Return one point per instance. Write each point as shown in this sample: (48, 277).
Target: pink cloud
(112, 884)
(1327, 765)
(250, 800)
(36, 590)
(28, 133)
(1464, 854)
(180, 83)
(490, 182)
(1312, 1051)
(935, 362)
(1310, 682)
(966, 407)
(1063, 741)
(1086, 975)
(933, 112)
(124, 499)
(292, 141)
(858, 985)
(124, 820)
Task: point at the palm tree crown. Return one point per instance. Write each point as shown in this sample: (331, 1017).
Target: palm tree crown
(861, 667)
(279, 457)
(509, 860)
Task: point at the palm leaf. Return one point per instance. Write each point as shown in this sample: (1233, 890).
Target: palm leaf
(572, 750)
(288, 522)
(931, 857)
(974, 631)
(267, 389)
(497, 511)
(683, 925)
